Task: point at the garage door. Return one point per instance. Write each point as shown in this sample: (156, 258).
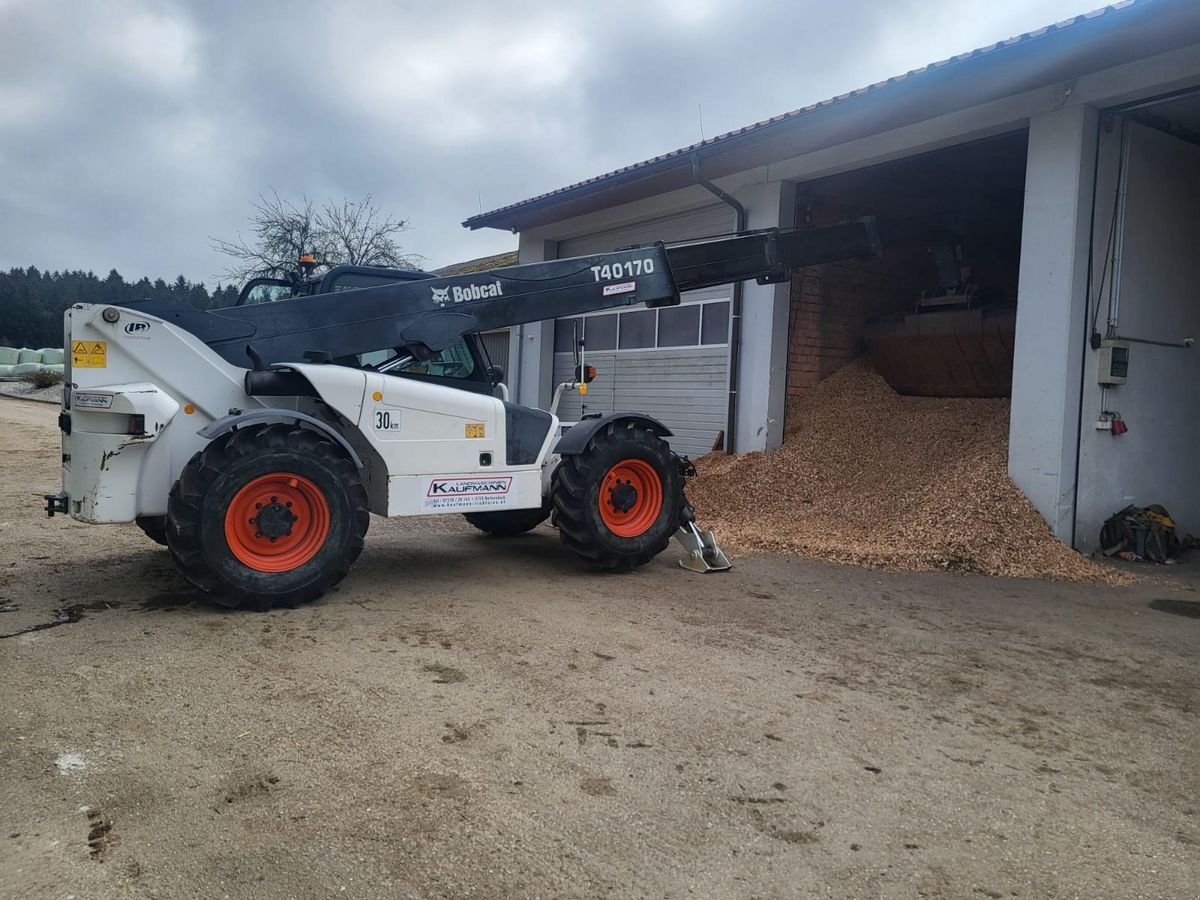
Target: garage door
(671, 363)
(495, 344)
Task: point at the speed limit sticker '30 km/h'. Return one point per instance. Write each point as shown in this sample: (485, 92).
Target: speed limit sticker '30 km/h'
(387, 420)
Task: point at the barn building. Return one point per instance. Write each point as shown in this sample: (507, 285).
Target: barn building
(1041, 207)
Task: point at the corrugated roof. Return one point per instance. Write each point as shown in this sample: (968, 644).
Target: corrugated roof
(495, 217)
(480, 264)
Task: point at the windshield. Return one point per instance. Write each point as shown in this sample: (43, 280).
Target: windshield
(456, 361)
(265, 290)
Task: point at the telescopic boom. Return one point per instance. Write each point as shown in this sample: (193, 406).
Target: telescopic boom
(426, 316)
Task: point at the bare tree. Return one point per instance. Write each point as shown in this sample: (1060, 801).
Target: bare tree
(282, 232)
(360, 235)
(355, 233)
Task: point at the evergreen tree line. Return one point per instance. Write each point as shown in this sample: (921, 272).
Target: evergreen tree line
(32, 302)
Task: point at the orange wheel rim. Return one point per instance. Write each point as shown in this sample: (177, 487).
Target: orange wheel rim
(277, 522)
(631, 497)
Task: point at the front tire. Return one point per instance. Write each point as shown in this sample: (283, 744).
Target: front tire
(267, 514)
(617, 503)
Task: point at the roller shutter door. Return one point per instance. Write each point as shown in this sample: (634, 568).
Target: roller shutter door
(671, 363)
(495, 344)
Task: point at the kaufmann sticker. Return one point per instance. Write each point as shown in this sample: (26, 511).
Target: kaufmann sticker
(85, 400)
(623, 288)
(467, 493)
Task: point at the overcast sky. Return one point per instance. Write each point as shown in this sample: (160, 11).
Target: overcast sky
(133, 130)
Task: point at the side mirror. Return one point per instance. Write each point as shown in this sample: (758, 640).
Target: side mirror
(585, 374)
(495, 374)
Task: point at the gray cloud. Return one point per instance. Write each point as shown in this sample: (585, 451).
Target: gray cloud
(131, 131)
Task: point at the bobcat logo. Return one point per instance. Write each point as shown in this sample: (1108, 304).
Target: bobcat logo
(441, 296)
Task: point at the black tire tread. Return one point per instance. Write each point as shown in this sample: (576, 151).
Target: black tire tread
(154, 527)
(186, 498)
(569, 490)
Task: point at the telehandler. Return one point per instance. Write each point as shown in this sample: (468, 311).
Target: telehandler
(256, 441)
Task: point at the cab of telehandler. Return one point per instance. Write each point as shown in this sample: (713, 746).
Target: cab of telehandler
(464, 365)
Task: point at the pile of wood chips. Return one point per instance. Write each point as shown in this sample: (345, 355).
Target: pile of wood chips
(868, 477)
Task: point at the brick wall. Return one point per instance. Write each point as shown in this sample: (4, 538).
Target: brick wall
(832, 303)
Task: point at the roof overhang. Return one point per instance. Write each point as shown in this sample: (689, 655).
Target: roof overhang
(1053, 55)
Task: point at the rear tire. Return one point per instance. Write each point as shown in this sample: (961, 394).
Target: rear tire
(508, 522)
(267, 514)
(617, 503)
(154, 527)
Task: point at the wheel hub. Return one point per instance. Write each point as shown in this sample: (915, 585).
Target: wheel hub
(275, 520)
(630, 498)
(623, 496)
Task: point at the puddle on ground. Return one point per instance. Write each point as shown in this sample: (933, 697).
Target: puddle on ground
(65, 615)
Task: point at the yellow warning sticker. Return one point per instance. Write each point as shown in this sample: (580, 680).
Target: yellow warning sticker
(89, 354)
(476, 430)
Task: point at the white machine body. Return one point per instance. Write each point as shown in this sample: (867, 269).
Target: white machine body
(140, 391)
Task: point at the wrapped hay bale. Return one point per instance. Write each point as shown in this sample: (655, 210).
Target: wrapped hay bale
(9, 356)
(51, 356)
(25, 355)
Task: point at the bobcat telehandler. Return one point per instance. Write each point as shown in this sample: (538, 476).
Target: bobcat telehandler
(255, 441)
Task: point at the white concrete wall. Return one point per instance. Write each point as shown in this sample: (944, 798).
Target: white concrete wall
(531, 352)
(762, 366)
(1157, 296)
(1051, 312)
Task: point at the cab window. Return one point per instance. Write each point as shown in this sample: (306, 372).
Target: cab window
(265, 290)
(455, 361)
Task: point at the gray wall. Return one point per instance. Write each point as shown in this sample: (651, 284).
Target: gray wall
(1051, 312)
(1157, 296)
(712, 218)
(531, 346)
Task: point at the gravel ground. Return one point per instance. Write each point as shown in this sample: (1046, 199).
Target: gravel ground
(469, 717)
(23, 390)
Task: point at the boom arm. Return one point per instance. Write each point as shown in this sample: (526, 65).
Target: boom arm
(769, 255)
(429, 315)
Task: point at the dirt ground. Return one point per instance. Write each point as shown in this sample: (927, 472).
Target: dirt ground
(470, 717)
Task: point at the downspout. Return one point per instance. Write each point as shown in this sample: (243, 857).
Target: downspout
(735, 313)
(516, 364)
(1091, 264)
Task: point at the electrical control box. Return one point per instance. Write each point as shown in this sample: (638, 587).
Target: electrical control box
(1113, 363)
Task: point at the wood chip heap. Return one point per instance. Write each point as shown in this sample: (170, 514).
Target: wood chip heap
(869, 477)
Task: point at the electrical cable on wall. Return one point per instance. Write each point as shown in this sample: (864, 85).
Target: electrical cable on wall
(1110, 247)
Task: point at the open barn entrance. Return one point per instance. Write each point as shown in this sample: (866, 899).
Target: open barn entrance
(938, 309)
